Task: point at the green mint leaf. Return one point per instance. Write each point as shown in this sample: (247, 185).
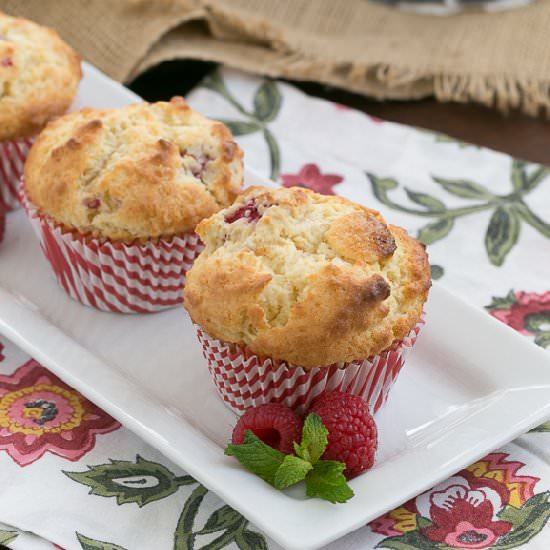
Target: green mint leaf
(292, 470)
(314, 439)
(327, 481)
(256, 456)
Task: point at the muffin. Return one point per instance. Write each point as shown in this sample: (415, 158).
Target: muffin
(39, 76)
(298, 293)
(114, 196)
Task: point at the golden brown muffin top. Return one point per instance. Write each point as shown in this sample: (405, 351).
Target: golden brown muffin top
(142, 171)
(39, 76)
(306, 278)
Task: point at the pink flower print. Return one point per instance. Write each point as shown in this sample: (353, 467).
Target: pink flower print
(463, 517)
(39, 413)
(310, 176)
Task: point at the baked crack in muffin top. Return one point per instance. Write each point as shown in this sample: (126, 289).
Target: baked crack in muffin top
(306, 278)
(149, 170)
(39, 76)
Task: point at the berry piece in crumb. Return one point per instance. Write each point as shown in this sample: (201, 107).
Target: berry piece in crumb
(276, 425)
(248, 211)
(353, 437)
(92, 202)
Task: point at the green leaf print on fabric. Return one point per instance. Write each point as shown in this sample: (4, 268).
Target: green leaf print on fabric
(250, 540)
(267, 101)
(464, 189)
(184, 537)
(436, 272)
(413, 540)
(508, 211)
(502, 234)
(222, 518)
(542, 428)
(505, 302)
(93, 544)
(435, 231)
(144, 482)
(7, 536)
(528, 521)
(523, 182)
(426, 200)
(242, 128)
(141, 482)
(267, 104)
(228, 521)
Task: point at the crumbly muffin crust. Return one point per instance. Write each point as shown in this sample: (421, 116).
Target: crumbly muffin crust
(306, 278)
(39, 76)
(149, 170)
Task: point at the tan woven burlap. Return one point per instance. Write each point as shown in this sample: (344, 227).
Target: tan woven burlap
(500, 59)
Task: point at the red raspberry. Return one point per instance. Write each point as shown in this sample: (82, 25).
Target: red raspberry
(276, 425)
(353, 437)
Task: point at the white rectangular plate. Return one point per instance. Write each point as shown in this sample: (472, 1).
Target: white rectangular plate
(470, 385)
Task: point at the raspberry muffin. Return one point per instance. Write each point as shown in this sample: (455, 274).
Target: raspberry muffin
(39, 76)
(115, 195)
(297, 293)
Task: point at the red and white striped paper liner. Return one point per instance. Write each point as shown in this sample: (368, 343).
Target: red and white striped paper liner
(12, 160)
(113, 276)
(246, 380)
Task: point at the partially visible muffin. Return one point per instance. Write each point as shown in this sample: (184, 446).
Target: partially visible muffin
(143, 171)
(305, 278)
(115, 194)
(39, 76)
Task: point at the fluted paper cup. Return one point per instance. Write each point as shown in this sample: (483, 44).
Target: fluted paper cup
(12, 159)
(245, 380)
(114, 276)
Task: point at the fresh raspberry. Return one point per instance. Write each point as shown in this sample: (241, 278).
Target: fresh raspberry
(276, 425)
(353, 437)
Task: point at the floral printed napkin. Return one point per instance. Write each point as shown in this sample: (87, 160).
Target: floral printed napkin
(70, 474)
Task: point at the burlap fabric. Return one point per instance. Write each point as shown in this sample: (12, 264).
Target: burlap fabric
(500, 59)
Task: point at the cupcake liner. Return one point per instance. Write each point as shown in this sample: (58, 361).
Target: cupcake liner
(114, 276)
(245, 380)
(12, 160)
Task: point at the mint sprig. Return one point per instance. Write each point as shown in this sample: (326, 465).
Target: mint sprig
(314, 439)
(324, 478)
(259, 458)
(327, 481)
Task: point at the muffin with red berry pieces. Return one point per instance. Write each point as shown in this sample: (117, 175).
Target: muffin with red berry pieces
(39, 76)
(298, 293)
(114, 196)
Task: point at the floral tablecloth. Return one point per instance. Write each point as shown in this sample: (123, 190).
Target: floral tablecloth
(72, 475)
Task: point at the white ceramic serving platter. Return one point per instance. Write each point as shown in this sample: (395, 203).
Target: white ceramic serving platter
(470, 385)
